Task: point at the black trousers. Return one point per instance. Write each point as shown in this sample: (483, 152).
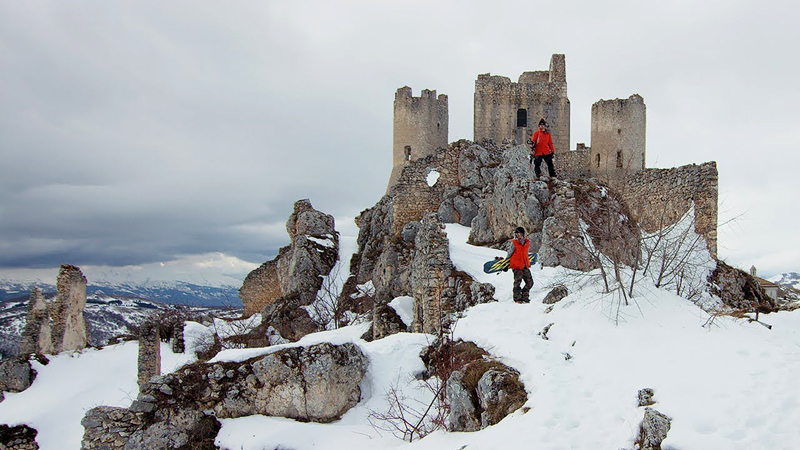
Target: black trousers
(522, 294)
(548, 159)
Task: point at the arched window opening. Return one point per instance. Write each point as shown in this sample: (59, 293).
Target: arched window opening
(408, 153)
(619, 159)
(597, 160)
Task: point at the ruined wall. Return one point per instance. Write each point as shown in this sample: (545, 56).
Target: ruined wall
(260, 288)
(69, 326)
(413, 197)
(420, 127)
(573, 164)
(430, 269)
(618, 135)
(36, 337)
(658, 197)
(149, 352)
(501, 106)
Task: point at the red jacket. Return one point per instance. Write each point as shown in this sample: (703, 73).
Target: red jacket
(519, 259)
(544, 143)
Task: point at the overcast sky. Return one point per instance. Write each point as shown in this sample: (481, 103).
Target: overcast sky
(149, 131)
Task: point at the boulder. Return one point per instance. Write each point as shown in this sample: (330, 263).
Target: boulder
(556, 295)
(654, 429)
(481, 394)
(16, 374)
(288, 317)
(645, 397)
(500, 393)
(20, 437)
(318, 383)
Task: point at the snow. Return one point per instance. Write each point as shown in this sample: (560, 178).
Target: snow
(726, 383)
(75, 382)
(404, 307)
(432, 177)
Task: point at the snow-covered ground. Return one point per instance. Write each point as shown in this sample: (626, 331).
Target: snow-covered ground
(726, 383)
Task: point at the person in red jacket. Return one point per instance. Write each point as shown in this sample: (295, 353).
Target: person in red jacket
(520, 265)
(542, 149)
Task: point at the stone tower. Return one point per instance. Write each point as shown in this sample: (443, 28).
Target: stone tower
(618, 135)
(420, 127)
(506, 111)
(69, 326)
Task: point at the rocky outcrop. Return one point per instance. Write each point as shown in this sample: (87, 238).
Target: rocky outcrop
(511, 198)
(288, 317)
(556, 295)
(738, 289)
(20, 437)
(482, 394)
(16, 374)
(317, 383)
(654, 429)
(645, 397)
(298, 269)
(110, 428)
(559, 216)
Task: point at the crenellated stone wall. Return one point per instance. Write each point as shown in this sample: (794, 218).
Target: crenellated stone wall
(618, 135)
(510, 112)
(420, 128)
(659, 197)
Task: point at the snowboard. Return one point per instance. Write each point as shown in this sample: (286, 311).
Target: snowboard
(496, 265)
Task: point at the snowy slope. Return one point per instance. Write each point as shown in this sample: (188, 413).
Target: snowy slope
(726, 383)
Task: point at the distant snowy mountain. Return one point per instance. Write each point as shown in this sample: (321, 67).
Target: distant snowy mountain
(790, 279)
(172, 292)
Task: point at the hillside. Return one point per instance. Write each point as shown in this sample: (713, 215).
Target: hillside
(721, 380)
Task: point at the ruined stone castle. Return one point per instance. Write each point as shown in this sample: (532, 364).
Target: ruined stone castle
(507, 113)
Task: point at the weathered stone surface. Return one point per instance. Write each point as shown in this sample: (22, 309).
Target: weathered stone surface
(512, 199)
(386, 321)
(645, 397)
(20, 437)
(288, 317)
(463, 414)
(481, 394)
(500, 393)
(149, 363)
(16, 374)
(57, 325)
(556, 295)
(655, 427)
(69, 326)
(317, 383)
(298, 269)
(430, 268)
(738, 289)
(36, 338)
